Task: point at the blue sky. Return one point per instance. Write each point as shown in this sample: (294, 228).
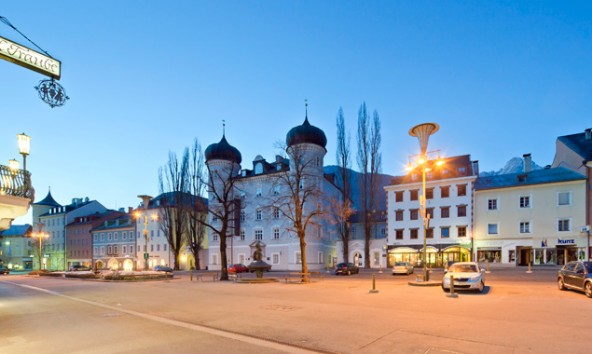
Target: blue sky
(147, 77)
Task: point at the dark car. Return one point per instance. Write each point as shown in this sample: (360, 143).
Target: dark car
(576, 276)
(161, 268)
(346, 269)
(238, 268)
(4, 271)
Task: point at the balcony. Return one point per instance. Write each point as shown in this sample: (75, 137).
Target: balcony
(16, 194)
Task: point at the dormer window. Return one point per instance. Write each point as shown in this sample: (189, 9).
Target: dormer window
(258, 168)
(278, 167)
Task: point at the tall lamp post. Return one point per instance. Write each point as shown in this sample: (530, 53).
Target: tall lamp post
(24, 145)
(145, 201)
(422, 132)
(40, 235)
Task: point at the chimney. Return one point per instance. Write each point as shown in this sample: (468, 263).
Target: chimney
(588, 133)
(130, 210)
(527, 163)
(476, 168)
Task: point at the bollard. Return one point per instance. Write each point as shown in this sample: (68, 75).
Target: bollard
(191, 275)
(529, 270)
(373, 291)
(487, 268)
(452, 293)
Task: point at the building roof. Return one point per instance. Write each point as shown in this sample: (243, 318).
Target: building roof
(547, 175)
(579, 144)
(48, 200)
(16, 230)
(306, 134)
(223, 151)
(453, 167)
(173, 198)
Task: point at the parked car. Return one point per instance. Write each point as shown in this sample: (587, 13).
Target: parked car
(576, 276)
(78, 267)
(467, 276)
(238, 268)
(161, 268)
(403, 268)
(346, 269)
(4, 271)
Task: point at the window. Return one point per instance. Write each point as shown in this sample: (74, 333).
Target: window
(124, 235)
(413, 233)
(259, 192)
(124, 249)
(429, 193)
(492, 229)
(430, 212)
(242, 235)
(430, 232)
(151, 248)
(275, 258)
(115, 235)
(563, 225)
(564, 198)
(109, 236)
(413, 194)
(492, 204)
(108, 249)
(525, 227)
(276, 213)
(399, 234)
(96, 237)
(461, 190)
(115, 250)
(462, 231)
(158, 247)
(461, 210)
(131, 249)
(258, 214)
(445, 212)
(276, 233)
(525, 202)
(276, 190)
(215, 237)
(445, 231)
(164, 247)
(398, 196)
(444, 191)
(103, 250)
(413, 214)
(242, 216)
(258, 234)
(95, 250)
(398, 215)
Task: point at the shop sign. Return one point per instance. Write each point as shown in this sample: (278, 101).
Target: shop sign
(30, 59)
(566, 242)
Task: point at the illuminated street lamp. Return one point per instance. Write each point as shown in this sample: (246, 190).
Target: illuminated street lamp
(40, 235)
(14, 165)
(423, 132)
(24, 145)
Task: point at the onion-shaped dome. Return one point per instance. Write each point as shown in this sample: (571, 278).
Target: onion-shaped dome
(223, 151)
(306, 133)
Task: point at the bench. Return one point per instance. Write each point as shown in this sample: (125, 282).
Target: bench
(296, 277)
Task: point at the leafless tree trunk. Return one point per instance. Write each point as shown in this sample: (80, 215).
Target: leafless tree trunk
(369, 162)
(299, 196)
(198, 211)
(173, 185)
(342, 211)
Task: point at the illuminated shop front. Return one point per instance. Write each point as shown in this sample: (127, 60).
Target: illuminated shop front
(437, 256)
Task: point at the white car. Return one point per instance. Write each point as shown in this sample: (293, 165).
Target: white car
(467, 276)
(402, 268)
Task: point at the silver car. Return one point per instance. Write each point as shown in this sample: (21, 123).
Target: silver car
(403, 268)
(467, 276)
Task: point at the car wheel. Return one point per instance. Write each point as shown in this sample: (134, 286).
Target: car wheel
(444, 289)
(481, 287)
(588, 289)
(560, 284)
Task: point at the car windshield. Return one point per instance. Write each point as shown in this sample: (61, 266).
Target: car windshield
(463, 268)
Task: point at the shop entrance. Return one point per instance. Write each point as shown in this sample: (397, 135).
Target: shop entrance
(525, 256)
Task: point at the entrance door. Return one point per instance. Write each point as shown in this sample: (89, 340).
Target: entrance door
(525, 256)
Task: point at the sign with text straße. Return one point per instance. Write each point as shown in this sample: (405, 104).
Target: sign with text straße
(30, 59)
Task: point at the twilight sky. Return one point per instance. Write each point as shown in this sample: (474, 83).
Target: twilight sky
(502, 78)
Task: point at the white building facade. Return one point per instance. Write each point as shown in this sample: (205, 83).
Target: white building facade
(262, 221)
(449, 202)
(534, 217)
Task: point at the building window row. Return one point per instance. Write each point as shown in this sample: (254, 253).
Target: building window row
(444, 232)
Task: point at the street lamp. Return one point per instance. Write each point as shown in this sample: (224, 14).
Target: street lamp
(423, 132)
(24, 145)
(14, 165)
(40, 235)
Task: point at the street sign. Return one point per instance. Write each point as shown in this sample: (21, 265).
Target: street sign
(146, 255)
(30, 59)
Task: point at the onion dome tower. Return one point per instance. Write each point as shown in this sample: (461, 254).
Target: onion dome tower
(308, 142)
(223, 162)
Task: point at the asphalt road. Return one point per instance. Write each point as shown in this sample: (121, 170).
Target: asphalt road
(517, 313)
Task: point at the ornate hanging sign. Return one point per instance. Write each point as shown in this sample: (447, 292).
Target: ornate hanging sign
(30, 59)
(52, 93)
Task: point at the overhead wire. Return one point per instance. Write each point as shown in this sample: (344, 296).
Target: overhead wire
(6, 22)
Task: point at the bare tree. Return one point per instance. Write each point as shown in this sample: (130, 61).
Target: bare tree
(197, 211)
(173, 185)
(299, 197)
(342, 210)
(222, 207)
(369, 162)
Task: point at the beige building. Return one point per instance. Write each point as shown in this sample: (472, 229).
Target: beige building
(531, 217)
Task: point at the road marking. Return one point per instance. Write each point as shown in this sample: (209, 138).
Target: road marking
(194, 327)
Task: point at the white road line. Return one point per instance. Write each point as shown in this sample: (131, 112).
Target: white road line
(194, 327)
